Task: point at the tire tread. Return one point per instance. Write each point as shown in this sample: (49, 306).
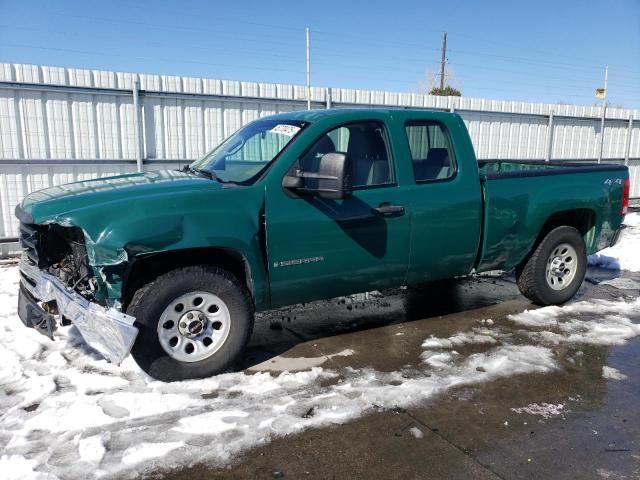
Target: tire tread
(528, 274)
(174, 276)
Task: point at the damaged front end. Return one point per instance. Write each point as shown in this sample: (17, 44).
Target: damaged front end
(58, 286)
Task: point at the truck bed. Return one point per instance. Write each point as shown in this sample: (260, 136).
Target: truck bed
(518, 196)
(493, 169)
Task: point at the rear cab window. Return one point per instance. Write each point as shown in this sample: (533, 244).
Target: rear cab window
(431, 150)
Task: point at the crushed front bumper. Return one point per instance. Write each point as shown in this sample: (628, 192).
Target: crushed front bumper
(44, 301)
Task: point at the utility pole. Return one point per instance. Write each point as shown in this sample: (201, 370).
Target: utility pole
(308, 71)
(604, 113)
(444, 59)
(136, 122)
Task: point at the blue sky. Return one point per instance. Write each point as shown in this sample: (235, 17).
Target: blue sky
(543, 51)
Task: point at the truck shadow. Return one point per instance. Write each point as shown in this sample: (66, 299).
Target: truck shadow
(277, 331)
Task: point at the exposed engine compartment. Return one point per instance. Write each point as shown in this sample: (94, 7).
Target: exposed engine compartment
(60, 251)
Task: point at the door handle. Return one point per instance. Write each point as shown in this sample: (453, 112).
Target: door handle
(389, 210)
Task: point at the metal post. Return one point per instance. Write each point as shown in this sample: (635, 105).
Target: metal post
(604, 114)
(549, 137)
(308, 71)
(627, 148)
(327, 97)
(136, 123)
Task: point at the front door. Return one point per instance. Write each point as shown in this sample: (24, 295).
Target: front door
(321, 248)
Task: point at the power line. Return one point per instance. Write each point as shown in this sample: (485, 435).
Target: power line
(261, 54)
(175, 45)
(545, 52)
(182, 11)
(280, 40)
(144, 57)
(194, 62)
(495, 69)
(330, 36)
(168, 27)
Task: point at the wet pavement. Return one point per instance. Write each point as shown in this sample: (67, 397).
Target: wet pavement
(588, 426)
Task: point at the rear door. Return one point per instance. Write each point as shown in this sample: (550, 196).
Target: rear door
(445, 198)
(320, 248)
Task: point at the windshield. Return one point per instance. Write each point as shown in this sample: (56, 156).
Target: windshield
(248, 151)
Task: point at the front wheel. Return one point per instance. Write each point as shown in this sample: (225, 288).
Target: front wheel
(194, 322)
(554, 272)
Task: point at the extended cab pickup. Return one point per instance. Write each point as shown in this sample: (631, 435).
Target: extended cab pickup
(301, 206)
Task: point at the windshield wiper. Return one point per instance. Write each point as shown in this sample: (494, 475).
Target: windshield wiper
(198, 171)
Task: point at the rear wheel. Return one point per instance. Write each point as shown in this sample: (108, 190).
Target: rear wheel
(194, 322)
(555, 270)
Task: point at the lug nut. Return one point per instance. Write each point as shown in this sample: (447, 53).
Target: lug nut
(189, 315)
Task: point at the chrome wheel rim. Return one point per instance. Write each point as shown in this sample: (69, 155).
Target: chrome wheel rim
(561, 266)
(194, 326)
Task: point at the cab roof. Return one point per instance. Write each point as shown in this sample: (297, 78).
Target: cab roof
(346, 113)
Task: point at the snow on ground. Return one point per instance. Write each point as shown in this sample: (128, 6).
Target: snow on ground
(600, 322)
(626, 254)
(459, 339)
(544, 410)
(622, 283)
(281, 363)
(67, 413)
(611, 373)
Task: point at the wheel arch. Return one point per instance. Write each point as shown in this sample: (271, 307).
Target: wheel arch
(582, 219)
(144, 269)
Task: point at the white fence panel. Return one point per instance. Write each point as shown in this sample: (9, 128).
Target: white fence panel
(59, 125)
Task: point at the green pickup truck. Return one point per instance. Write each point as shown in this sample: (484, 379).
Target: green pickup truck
(171, 265)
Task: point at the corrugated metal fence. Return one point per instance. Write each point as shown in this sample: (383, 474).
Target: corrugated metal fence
(59, 125)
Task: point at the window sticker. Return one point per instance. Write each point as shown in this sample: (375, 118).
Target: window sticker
(283, 129)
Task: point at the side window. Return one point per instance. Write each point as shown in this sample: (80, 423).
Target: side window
(368, 146)
(431, 151)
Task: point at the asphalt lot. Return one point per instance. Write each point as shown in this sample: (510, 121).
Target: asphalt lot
(570, 423)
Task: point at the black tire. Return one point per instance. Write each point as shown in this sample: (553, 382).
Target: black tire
(531, 275)
(152, 299)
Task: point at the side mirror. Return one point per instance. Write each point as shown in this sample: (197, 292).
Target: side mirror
(333, 179)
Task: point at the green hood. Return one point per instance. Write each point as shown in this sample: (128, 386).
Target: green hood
(54, 204)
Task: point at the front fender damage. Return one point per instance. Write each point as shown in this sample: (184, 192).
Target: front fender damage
(111, 250)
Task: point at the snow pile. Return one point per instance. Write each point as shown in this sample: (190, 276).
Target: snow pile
(600, 322)
(626, 254)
